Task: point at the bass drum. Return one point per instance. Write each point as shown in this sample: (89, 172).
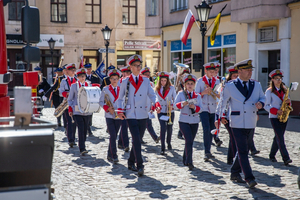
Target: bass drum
(88, 99)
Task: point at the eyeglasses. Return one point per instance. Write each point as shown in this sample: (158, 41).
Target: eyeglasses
(137, 66)
(114, 79)
(278, 79)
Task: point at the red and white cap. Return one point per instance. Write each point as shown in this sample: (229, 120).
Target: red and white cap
(210, 65)
(232, 69)
(217, 64)
(276, 72)
(187, 70)
(134, 58)
(114, 72)
(71, 65)
(81, 71)
(125, 69)
(163, 74)
(189, 77)
(145, 69)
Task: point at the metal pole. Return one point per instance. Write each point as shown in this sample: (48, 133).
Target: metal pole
(203, 40)
(52, 64)
(107, 43)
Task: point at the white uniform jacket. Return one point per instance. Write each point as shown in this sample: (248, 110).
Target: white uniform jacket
(243, 112)
(65, 86)
(73, 98)
(273, 102)
(113, 99)
(170, 95)
(209, 104)
(136, 107)
(186, 115)
(149, 103)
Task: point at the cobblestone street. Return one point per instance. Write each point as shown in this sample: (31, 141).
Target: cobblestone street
(93, 177)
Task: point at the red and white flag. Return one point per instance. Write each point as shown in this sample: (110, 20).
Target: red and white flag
(187, 25)
(81, 62)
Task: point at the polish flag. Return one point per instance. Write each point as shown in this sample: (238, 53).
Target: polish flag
(81, 62)
(187, 25)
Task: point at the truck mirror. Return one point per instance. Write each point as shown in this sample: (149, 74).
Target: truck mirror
(30, 54)
(30, 24)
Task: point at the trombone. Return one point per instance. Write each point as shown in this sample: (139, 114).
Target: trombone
(169, 112)
(109, 104)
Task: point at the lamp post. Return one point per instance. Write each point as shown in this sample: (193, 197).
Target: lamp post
(203, 11)
(106, 31)
(51, 44)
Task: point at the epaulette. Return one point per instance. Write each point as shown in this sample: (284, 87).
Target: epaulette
(95, 75)
(269, 88)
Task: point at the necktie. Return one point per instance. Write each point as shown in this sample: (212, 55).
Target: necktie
(245, 87)
(115, 89)
(209, 80)
(136, 80)
(190, 95)
(71, 80)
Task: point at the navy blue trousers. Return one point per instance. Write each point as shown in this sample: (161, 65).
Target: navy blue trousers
(82, 123)
(189, 132)
(113, 126)
(136, 127)
(243, 138)
(208, 124)
(164, 127)
(90, 123)
(123, 136)
(278, 141)
(150, 130)
(231, 146)
(71, 127)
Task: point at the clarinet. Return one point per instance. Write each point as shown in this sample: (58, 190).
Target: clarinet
(126, 96)
(187, 98)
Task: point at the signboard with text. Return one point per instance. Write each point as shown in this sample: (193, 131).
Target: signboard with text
(141, 45)
(59, 40)
(14, 39)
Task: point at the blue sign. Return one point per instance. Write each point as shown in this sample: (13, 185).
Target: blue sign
(176, 45)
(229, 39)
(165, 43)
(188, 45)
(218, 41)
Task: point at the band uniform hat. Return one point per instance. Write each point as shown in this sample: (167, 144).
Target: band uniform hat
(276, 72)
(37, 68)
(245, 64)
(187, 70)
(209, 65)
(217, 64)
(163, 74)
(64, 67)
(232, 69)
(134, 58)
(145, 69)
(58, 69)
(125, 69)
(88, 65)
(189, 77)
(114, 72)
(111, 67)
(71, 66)
(80, 71)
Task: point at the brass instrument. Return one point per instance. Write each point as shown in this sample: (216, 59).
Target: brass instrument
(109, 104)
(180, 68)
(213, 94)
(169, 112)
(286, 109)
(61, 108)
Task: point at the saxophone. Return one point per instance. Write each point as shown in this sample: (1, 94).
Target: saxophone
(109, 104)
(286, 109)
(61, 108)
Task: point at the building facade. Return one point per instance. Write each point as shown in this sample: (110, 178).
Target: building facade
(265, 31)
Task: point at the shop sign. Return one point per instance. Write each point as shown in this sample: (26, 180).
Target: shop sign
(230, 39)
(103, 50)
(59, 40)
(218, 41)
(177, 45)
(141, 45)
(13, 39)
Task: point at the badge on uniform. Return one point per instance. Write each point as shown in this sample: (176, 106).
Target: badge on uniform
(127, 107)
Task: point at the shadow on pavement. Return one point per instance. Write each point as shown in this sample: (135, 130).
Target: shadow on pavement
(89, 161)
(119, 169)
(148, 184)
(94, 139)
(261, 194)
(292, 124)
(207, 176)
(271, 181)
(176, 159)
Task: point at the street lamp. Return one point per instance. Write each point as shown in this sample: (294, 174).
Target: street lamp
(203, 11)
(106, 35)
(51, 44)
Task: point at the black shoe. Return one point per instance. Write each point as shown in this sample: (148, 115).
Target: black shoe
(71, 144)
(219, 143)
(180, 137)
(90, 134)
(120, 147)
(237, 179)
(110, 159)
(210, 155)
(191, 166)
(115, 160)
(143, 142)
(83, 152)
(254, 152)
(229, 162)
(206, 158)
(286, 163)
(59, 125)
(252, 183)
(132, 168)
(162, 152)
(169, 147)
(141, 172)
(273, 159)
(126, 149)
(158, 139)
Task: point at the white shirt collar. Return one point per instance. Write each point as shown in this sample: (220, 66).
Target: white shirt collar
(243, 81)
(277, 88)
(161, 89)
(133, 76)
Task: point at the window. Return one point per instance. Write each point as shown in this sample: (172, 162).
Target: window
(176, 5)
(181, 53)
(129, 11)
(93, 11)
(214, 1)
(152, 7)
(223, 51)
(15, 9)
(58, 10)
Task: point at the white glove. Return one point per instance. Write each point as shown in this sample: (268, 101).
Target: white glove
(41, 90)
(44, 98)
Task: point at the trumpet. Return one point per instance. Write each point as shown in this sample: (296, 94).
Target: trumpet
(169, 112)
(213, 94)
(109, 104)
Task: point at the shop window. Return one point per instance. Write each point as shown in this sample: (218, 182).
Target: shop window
(181, 53)
(129, 12)
(91, 56)
(176, 5)
(152, 7)
(93, 11)
(58, 10)
(214, 1)
(15, 10)
(223, 51)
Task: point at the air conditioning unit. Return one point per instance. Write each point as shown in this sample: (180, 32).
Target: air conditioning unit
(267, 34)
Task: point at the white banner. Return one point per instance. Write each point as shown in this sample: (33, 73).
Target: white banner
(59, 40)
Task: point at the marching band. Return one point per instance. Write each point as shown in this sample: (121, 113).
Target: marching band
(129, 99)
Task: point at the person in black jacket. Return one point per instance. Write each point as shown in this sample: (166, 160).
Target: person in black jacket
(43, 85)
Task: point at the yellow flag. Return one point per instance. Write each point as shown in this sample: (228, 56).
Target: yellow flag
(214, 31)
